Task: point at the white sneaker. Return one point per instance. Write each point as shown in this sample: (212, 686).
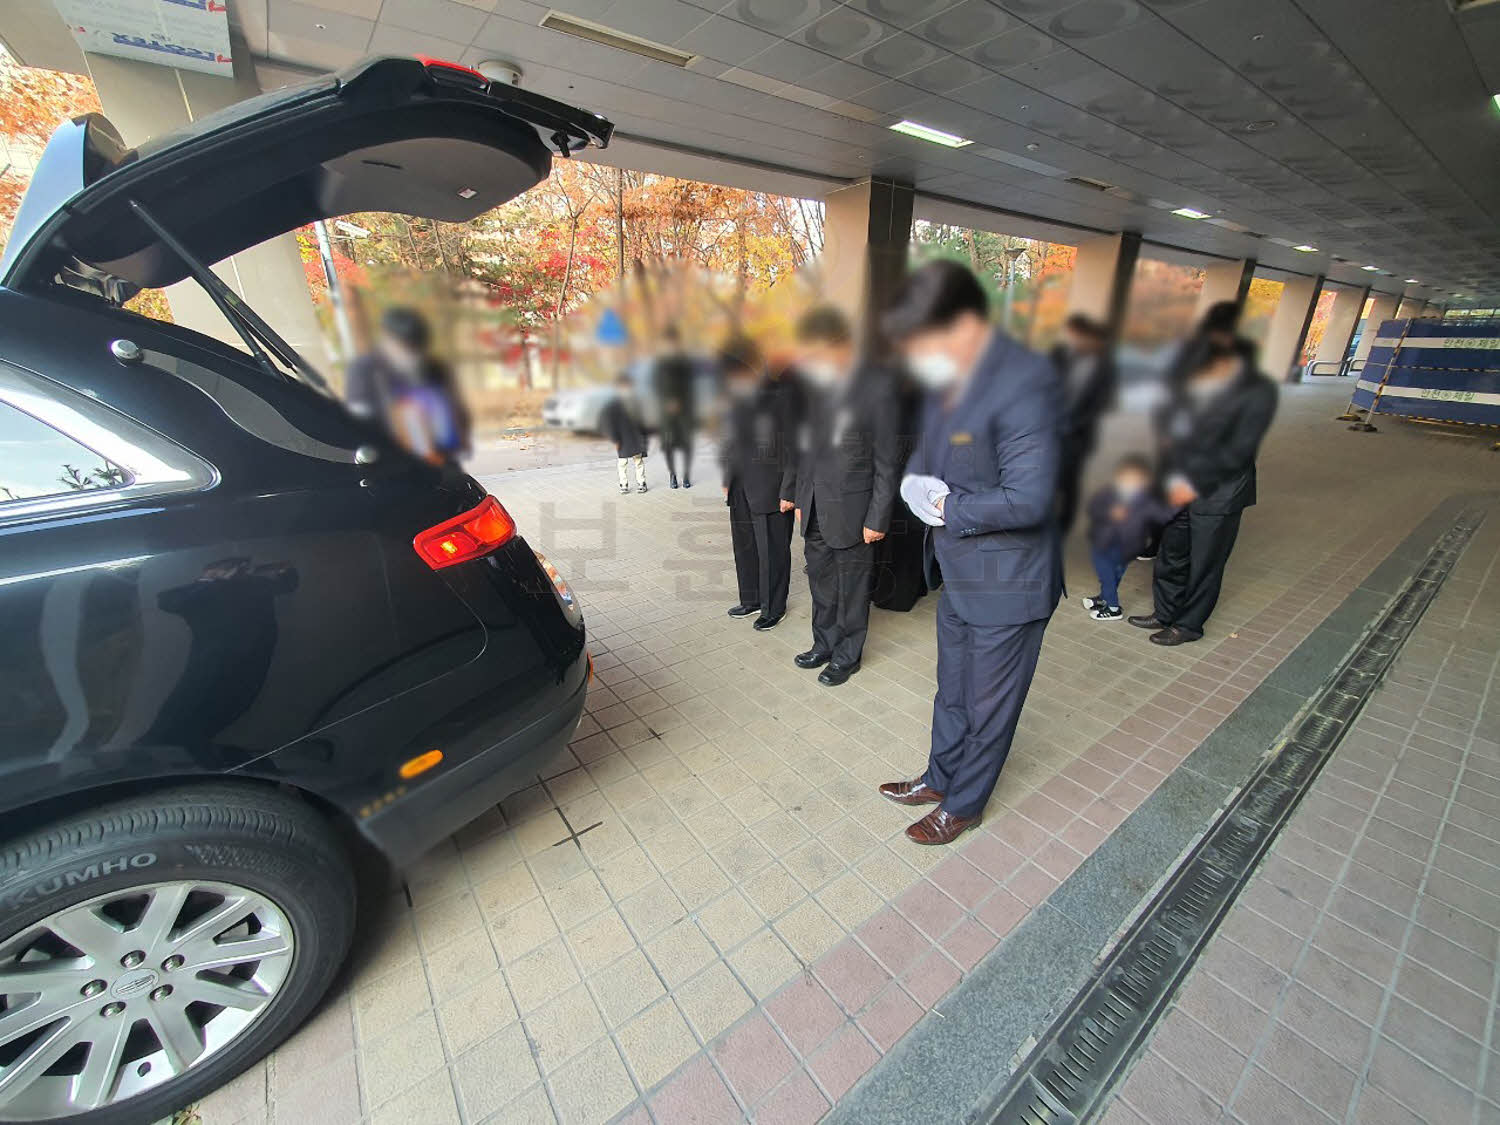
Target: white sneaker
(1103, 612)
(1092, 603)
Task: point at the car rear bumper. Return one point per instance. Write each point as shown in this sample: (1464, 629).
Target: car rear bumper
(433, 809)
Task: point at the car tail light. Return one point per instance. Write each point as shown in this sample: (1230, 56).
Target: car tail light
(470, 536)
(455, 73)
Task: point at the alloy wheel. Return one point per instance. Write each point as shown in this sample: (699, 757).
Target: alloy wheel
(106, 999)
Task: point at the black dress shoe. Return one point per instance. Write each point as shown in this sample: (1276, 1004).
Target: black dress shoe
(686, 483)
(744, 609)
(836, 674)
(812, 658)
(672, 480)
(763, 622)
(1145, 621)
(1175, 635)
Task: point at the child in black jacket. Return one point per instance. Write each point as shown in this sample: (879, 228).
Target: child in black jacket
(1123, 517)
(620, 424)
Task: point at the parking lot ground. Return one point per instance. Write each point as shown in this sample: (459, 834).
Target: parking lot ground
(705, 913)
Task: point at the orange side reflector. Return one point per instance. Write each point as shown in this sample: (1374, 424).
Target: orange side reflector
(590, 656)
(420, 764)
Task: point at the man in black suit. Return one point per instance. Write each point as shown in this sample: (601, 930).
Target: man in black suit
(758, 462)
(1089, 380)
(846, 483)
(672, 380)
(984, 480)
(1208, 432)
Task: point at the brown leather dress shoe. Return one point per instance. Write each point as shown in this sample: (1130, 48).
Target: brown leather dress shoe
(940, 827)
(916, 792)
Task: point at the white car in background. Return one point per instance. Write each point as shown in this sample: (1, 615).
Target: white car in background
(579, 409)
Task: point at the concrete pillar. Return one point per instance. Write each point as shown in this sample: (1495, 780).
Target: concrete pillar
(1343, 319)
(866, 235)
(1294, 311)
(1382, 307)
(1225, 281)
(1410, 308)
(144, 100)
(1101, 277)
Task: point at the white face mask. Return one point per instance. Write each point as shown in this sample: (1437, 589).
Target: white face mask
(1127, 491)
(740, 389)
(934, 370)
(1205, 387)
(821, 372)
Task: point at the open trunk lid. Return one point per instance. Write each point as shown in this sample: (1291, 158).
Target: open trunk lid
(408, 135)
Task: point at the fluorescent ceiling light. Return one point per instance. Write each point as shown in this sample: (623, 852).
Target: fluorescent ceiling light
(611, 37)
(1496, 100)
(1371, 269)
(1412, 281)
(928, 133)
(1306, 249)
(1190, 213)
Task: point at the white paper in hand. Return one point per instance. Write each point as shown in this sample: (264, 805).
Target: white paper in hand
(921, 493)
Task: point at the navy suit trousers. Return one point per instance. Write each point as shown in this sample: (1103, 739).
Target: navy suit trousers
(983, 674)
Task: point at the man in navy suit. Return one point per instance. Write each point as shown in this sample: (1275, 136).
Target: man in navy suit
(984, 477)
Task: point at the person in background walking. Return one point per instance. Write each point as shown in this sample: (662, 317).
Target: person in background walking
(984, 479)
(758, 462)
(621, 424)
(1209, 432)
(672, 380)
(846, 484)
(1089, 381)
(1123, 516)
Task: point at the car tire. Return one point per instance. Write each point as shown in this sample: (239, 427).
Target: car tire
(154, 877)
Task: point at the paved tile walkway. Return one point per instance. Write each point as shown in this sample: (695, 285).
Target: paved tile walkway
(1356, 978)
(706, 913)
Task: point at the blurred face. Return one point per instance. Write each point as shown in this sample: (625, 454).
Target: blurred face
(942, 355)
(825, 363)
(1080, 343)
(1213, 376)
(1130, 482)
(740, 382)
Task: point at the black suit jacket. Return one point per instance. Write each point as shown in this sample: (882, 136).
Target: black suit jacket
(850, 483)
(1213, 443)
(759, 449)
(1085, 403)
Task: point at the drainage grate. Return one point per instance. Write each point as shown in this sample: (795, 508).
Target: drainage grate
(1065, 1078)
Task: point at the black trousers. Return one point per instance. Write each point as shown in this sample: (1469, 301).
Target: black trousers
(983, 675)
(674, 436)
(1190, 560)
(839, 580)
(1069, 484)
(762, 554)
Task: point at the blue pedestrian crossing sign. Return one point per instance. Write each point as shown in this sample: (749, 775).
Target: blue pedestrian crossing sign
(611, 329)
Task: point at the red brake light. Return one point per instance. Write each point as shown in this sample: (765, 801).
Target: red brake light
(475, 533)
(429, 62)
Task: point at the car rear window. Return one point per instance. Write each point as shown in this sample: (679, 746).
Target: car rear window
(37, 460)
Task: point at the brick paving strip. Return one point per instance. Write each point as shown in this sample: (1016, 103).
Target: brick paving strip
(997, 1010)
(744, 934)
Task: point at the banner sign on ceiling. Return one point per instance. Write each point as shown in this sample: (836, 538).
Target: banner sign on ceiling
(190, 34)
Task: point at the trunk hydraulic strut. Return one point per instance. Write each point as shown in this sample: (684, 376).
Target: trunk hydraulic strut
(257, 334)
